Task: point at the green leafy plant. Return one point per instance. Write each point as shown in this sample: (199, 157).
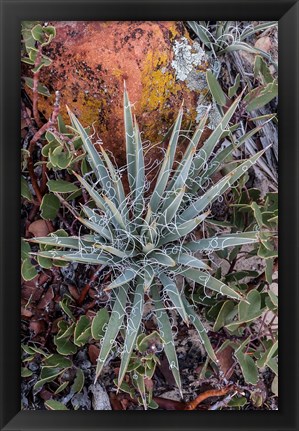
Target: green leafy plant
(28, 270)
(141, 368)
(256, 98)
(260, 213)
(62, 147)
(76, 333)
(147, 237)
(35, 36)
(255, 315)
(236, 319)
(57, 371)
(62, 151)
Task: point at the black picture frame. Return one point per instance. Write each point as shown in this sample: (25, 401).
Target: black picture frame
(12, 13)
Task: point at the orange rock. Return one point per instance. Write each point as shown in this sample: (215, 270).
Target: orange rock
(92, 59)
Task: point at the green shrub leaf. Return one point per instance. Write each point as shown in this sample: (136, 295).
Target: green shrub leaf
(215, 89)
(28, 271)
(61, 186)
(41, 89)
(98, 323)
(55, 405)
(82, 331)
(49, 206)
(25, 191)
(78, 382)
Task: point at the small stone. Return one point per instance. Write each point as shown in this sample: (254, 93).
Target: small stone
(172, 395)
(100, 399)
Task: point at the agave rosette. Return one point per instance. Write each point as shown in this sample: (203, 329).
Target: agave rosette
(144, 237)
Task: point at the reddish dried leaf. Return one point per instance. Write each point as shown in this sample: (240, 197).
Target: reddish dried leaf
(31, 293)
(192, 405)
(93, 353)
(89, 305)
(45, 395)
(54, 328)
(90, 314)
(115, 402)
(165, 404)
(226, 361)
(125, 403)
(149, 384)
(46, 299)
(39, 228)
(25, 312)
(37, 326)
(44, 277)
(92, 293)
(73, 291)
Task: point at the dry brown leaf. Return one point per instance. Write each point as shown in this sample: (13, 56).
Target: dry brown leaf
(226, 361)
(54, 328)
(45, 395)
(37, 326)
(25, 312)
(125, 403)
(115, 402)
(46, 299)
(30, 292)
(149, 384)
(73, 291)
(93, 353)
(39, 228)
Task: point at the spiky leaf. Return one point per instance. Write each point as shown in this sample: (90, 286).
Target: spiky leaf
(114, 324)
(132, 328)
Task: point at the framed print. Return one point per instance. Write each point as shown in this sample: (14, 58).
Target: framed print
(142, 257)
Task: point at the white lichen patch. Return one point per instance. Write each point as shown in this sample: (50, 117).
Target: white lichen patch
(186, 58)
(196, 80)
(214, 114)
(186, 62)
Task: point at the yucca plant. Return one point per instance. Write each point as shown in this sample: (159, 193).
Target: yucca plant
(226, 36)
(144, 235)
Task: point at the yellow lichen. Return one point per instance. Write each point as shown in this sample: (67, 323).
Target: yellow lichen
(118, 73)
(157, 82)
(174, 33)
(159, 93)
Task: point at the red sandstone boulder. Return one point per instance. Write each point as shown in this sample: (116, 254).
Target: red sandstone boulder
(92, 59)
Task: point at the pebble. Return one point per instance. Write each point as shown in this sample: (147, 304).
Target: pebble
(100, 399)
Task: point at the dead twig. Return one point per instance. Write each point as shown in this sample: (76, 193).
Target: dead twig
(223, 403)
(208, 394)
(94, 276)
(52, 120)
(192, 405)
(35, 87)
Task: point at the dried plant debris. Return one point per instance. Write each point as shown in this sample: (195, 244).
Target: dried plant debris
(152, 284)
